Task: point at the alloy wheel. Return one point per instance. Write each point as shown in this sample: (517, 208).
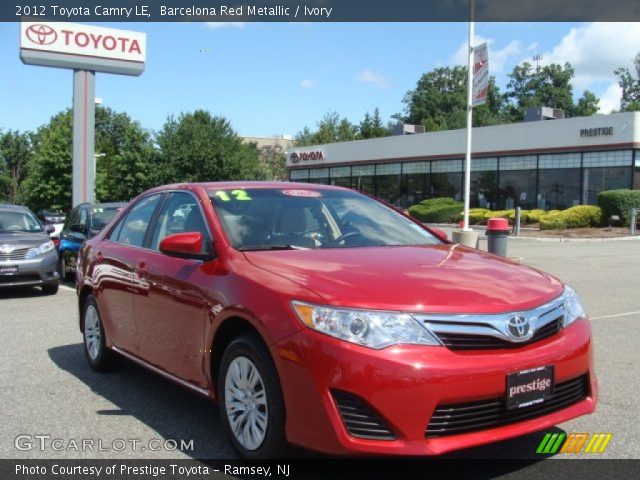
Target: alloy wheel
(92, 334)
(246, 403)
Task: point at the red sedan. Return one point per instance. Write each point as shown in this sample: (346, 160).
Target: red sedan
(319, 317)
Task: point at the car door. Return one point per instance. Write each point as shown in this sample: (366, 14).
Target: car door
(116, 275)
(72, 237)
(171, 317)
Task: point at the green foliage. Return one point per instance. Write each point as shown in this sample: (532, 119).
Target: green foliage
(49, 182)
(508, 214)
(15, 154)
(126, 161)
(199, 147)
(587, 105)
(476, 215)
(532, 216)
(630, 84)
(620, 203)
(580, 216)
(439, 101)
(333, 129)
(437, 210)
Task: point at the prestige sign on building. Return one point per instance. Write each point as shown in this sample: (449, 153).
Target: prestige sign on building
(85, 49)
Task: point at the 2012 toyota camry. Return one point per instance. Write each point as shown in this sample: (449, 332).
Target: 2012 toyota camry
(319, 317)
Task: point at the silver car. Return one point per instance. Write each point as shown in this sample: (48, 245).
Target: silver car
(28, 257)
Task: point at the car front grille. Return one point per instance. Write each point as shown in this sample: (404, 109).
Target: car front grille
(361, 421)
(473, 416)
(483, 342)
(17, 254)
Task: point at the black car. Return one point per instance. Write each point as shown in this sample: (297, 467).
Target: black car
(85, 221)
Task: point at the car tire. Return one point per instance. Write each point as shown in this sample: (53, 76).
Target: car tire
(50, 289)
(100, 358)
(62, 269)
(264, 409)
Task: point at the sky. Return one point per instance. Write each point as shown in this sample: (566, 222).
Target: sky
(276, 78)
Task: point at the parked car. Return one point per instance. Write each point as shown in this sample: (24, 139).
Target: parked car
(56, 219)
(320, 317)
(84, 222)
(28, 257)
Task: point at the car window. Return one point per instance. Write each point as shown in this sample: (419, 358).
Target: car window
(101, 216)
(84, 220)
(73, 218)
(16, 221)
(179, 214)
(134, 226)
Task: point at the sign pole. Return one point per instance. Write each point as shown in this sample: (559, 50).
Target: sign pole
(467, 157)
(84, 93)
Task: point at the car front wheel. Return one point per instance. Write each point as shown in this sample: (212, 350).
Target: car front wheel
(250, 399)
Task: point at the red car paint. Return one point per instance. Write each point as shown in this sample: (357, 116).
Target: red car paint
(167, 311)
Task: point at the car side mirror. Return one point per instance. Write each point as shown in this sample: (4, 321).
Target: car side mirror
(79, 228)
(440, 234)
(184, 245)
(49, 229)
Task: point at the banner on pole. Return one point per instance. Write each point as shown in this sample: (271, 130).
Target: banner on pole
(480, 74)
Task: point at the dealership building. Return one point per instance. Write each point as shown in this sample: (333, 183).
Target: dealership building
(547, 164)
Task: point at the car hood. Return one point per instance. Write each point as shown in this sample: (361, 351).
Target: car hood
(438, 278)
(23, 239)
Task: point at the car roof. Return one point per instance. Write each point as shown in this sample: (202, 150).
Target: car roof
(249, 185)
(14, 208)
(102, 205)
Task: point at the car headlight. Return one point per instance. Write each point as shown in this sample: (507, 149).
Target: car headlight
(573, 308)
(40, 249)
(373, 329)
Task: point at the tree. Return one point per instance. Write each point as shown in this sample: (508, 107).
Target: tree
(49, 182)
(15, 154)
(200, 147)
(587, 105)
(331, 129)
(125, 157)
(548, 86)
(439, 101)
(372, 126)
(630, 85)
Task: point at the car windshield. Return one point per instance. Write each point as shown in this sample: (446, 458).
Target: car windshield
(18, 222)
(101, 216)
(270, 219)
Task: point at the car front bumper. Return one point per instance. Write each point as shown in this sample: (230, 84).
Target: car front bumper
(404, 384)
(42, 270)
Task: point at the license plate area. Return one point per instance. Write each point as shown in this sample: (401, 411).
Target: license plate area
(8, 270)
(529, 387)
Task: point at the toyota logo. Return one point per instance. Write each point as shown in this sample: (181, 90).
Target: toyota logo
(294, 157)
(519, 328)
(41, 34)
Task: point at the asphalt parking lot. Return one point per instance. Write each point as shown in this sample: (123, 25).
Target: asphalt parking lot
(48, 388)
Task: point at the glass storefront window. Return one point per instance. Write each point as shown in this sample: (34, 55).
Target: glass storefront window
(484, 182)
(341, 176)
(319, 175)
(299, 175)
(388, 182)
(596, 180)
(559, 181)
(446, 179)
(362, 178)
(415, 180)
(517, 184)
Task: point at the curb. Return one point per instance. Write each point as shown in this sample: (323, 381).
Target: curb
(482, 236)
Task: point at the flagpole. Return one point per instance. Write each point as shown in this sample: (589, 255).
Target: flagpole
(467, 157)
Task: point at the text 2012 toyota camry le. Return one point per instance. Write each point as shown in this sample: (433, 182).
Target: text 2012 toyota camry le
(319, 317)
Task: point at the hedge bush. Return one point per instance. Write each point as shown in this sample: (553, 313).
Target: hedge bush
(437, 210)
(580, 216)
(620, 203)
(500, 214)
(534, 216)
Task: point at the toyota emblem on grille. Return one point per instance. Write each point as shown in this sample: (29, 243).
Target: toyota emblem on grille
(42, 34)
(518, 328)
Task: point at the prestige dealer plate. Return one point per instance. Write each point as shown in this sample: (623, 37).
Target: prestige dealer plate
(8, 269)
(528, 387)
